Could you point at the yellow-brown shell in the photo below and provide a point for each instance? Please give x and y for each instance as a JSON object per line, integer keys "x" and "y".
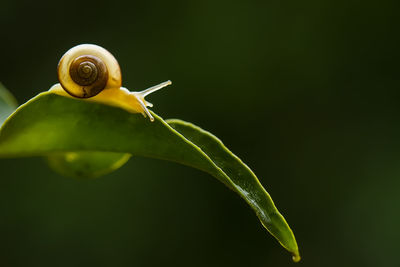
{"x": 86, "y": 70}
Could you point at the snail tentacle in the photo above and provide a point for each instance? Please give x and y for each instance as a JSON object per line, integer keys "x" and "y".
{"x": 154, "y": 88}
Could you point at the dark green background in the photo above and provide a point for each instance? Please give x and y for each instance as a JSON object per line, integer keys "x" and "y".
{"x": 305, "y": 92}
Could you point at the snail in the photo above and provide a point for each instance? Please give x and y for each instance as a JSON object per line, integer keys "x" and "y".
{"x": 89, "y": 72}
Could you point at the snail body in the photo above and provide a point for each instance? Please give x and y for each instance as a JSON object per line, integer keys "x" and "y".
{"x": 91, "y": 73}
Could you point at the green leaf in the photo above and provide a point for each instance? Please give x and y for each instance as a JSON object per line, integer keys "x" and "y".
{"x": 72, "y": 164}
{"x": 50, "y": 123}
{"x": 245, "y": 182}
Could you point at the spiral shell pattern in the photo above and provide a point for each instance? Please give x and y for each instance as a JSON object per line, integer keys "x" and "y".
{"x": 85, "y": 70}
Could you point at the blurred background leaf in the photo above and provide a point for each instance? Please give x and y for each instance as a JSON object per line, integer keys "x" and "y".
{"x": 316, "y": 83}
{"x": 7, "y": 103}
{"x": 86, "y": 165}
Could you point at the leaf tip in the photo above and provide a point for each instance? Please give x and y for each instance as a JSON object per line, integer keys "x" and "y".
{"x": 296, "y": 256}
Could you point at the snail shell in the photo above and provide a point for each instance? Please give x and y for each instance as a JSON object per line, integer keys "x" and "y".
{"x": 91, "y": 73}
{"x": 86, "y": 70}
